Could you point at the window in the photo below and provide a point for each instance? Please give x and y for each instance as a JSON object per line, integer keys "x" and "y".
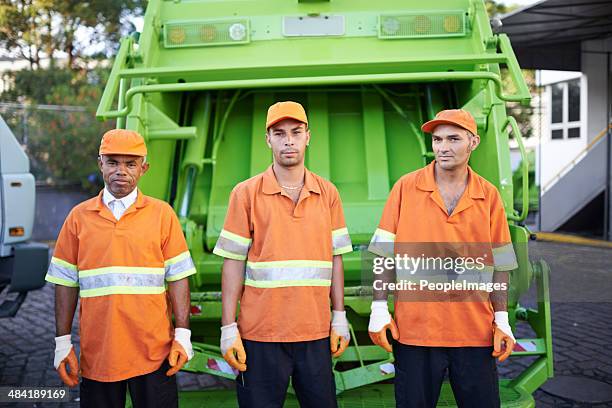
{"x": 565, "y": 110}
{"x": 573, "y": 133}
{"x": 573, "y": 100}
{"x": 557, "y": 134}
{"x": 557, "y": 103}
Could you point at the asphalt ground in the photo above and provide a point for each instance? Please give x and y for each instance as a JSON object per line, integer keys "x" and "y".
{"x": 581, "y": 295}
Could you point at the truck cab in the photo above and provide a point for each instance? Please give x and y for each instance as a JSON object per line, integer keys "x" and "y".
{"x": 23, "y": 263}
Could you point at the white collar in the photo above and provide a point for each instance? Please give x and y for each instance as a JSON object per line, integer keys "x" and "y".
{"x": 127, "y": 201}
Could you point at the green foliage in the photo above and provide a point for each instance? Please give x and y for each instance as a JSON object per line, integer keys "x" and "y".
{"x": 31, "y": 29}
{"x": 62, "y": 142}
{"x": 33, "y": 86}
{"x": 497, "y": 8}
{"x": 534, "y": 189}
{"x": 522, "y": 114}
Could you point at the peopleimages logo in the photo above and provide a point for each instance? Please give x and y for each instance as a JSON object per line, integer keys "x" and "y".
{"x": 422, "y": 263}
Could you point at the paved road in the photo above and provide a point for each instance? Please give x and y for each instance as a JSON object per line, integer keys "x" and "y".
{"x": 582, "y": 328}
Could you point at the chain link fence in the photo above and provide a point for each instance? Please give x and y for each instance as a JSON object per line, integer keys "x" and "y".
{"x": 61, "y": 141}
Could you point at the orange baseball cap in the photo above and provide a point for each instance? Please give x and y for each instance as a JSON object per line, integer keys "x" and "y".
{"x": 122, "y": 141}
{"x": 285, "y": 110}
{"x": 457, "y": 117}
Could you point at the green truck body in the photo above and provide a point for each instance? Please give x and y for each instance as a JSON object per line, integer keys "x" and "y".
{"x": 198, "y": 80}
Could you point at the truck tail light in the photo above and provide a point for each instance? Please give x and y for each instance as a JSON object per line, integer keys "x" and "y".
{"x": 422, "y": 25}
{"x": 178, "y": 34}
{"x": 16, "y": 231}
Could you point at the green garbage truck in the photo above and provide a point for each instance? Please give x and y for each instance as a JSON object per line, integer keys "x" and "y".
{"x": 197, "y": 82}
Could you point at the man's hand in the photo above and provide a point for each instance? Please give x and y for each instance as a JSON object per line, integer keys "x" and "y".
{"x": 503, "y": 339}
{"x": 232, "y": 348}
{"x": 339, "y": 333}
{"x": 380, "y": 321}
{"x": 181, "y": 350}
{"x": 65, "y": 356}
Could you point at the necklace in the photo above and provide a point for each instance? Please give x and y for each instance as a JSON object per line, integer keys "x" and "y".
{"x": 292, "y": 187}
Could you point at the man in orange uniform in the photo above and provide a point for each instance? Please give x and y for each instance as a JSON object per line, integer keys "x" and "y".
{"x": 283, "y": 240}
{"x": 118, "y": 251}
{"x": 462, "y": 332}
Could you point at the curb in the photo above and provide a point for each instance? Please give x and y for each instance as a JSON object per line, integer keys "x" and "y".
{"x": 572, "y": 239}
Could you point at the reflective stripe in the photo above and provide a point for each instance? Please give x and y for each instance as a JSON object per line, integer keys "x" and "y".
{"x": 135, "y": 270}
{"x": 474, "y": 274}
{"x": 63, "y": 263}
{"x": 289, "y": 264}
{"x": 340, "y": 231}
{"x": 60, "y": 281}
{"x": 181, "y": 275}
{"x": 382, "y": 243}
{"x": 276, "y": 274}
{"x": 233, "y": 245}
{"x": 504, "y": 258}
{"x": 235, "y": 237}
{"x": 227, "y": 254}
{"x": 287, "y": 283}
{"x": 63, "y": 272}
{"x": 343, "y": 250}
{"x": 341, "y": 241}
{"x": 121, "y": 279}
{"x": 177, "y": 258}
{"x": 179, "y": 267}
{"x": 122, "y": 290}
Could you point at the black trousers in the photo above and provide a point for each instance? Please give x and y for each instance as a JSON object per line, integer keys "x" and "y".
{"x": 153, "y": 390}
{"x": 270, "y": 366}
{"x": 420, "y": 371}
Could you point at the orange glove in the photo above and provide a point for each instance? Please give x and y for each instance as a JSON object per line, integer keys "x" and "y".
{"x": 231, "y": 347}
{"x": 339, "y": 333}
{"x": 177, "y": 358}
{"x": 380, "y": 321}
{"x": 503, "y": 339}
{"x": 65, "y": 356}
{"x": 181, "y": 351}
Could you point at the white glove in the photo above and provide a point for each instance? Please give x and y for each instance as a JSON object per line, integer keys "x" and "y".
{"x": 183, "y": 337}
{"x": 340, "y": 324}
{"x": 63, "y": 345}
{"x": 229, "y": 334}
{"x": 501, "y": 321}
{"x": 232, "y": 348}
{"x": 380, "y": 316}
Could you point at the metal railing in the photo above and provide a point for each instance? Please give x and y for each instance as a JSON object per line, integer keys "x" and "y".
{"x": 581, "y": 154}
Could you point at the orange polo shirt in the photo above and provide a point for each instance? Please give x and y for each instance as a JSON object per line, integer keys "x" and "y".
{"x": 121, "y": 268}
{"x": 413, "y": 218}
{"x": 288, "y": 250}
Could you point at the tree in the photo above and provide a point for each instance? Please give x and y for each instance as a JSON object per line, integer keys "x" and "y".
{"x": 62, "y": 139}
{"x": 31, "y": 28}
{"x": 495, "y": 8}
{"x": 22, "y": 29}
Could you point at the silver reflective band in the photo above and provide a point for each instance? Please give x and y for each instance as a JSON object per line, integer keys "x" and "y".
{"x": 472, "y": 274}
{"x": 62, "y": 273}
{"x": 341, "y": 241}
{"x": 121, "y": 279}
{"x": 179, "y": 267}
{"x": 382, "y": 243}
{"x": 504, "y": 258}
{"x": 288, "y": 273}
{"x": 233, "y": 246}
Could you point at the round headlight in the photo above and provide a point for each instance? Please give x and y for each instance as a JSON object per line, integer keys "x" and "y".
{"x": 177, "y": 35}
{"x": 390, "y": 26}
{"x": 237, "y": 32}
